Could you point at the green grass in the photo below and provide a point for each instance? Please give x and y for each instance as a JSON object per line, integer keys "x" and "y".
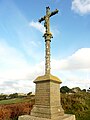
{"x": 15, "y": 100}
{"x": 84, "y": 116}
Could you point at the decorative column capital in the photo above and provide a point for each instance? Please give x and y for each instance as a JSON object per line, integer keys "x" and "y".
{"x": 48, "y": 36}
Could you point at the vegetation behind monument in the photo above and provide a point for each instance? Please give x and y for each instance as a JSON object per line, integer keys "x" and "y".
{"x": 78, "y": 104}
{"x": 73, "y": 103}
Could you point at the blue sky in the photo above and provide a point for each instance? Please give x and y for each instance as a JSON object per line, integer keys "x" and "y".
{"x": 22, "y": 47}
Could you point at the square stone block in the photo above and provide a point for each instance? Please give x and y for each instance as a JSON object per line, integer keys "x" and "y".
{"x": 64, "y": 117}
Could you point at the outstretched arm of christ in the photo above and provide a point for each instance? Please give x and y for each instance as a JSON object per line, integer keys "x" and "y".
{"x": 54, "y": 12}
{"x": 42, "y": 19}
{"x": 51, "y": 14}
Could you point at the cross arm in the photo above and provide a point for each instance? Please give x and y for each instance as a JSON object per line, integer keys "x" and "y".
{"x": 54, "y": 12}
{"x": 42, "y": 19}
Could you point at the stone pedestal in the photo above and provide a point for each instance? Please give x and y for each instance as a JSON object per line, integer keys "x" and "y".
{"x": 47, "y": 97}
{"x": 47, "y": 100}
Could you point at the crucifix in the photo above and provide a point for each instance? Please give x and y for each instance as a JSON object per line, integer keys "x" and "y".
{"x": 47, "y": 93}
{"x": 47, "y": 37}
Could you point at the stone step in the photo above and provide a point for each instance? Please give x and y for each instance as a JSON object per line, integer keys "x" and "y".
{"x": 64, "y": 117}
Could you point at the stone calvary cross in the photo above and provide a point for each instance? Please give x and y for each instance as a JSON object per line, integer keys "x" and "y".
{"x": 47, "y": 92}
{"x": 47, "y": 37}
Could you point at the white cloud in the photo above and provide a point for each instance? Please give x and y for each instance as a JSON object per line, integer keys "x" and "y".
{"x": 11, "y": 62}
{"x": 74, "y": 70}
{"x": 17, "y": 74}
{"x": 38, "y": 26}
{"x": 13, "y": 86}
{"x": 81, "y": 6}
{"x": 41, "y": 28}
{"x": 32, "y": 49}
{"x": 79, "y": 60}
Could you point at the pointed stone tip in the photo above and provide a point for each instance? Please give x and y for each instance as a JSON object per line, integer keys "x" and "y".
{"x": 47, "y": 77}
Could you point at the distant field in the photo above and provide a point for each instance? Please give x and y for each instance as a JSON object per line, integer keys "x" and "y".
{"x": 12, "y": 108}
{"x": 15, "y": 100}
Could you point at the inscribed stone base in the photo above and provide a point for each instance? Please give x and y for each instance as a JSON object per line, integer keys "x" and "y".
{"x": 64, "y": 117}
{"x": 47, "y": 97}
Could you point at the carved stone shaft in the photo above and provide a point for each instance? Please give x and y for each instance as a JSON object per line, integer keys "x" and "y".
{"x": 47, "y": 52}
{"x": 47, "y": 62}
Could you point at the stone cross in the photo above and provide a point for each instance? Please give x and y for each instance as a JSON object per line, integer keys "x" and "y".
{"x": 47, "y": 37}
{"x": 47, "y": 94}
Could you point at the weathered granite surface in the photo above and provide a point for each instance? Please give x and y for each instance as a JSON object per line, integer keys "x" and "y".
{"x": 47, "y": 77}
{"x": 65, "y": 117}
{"x": 47, "y": 97}
{"x": 47, "y": 101}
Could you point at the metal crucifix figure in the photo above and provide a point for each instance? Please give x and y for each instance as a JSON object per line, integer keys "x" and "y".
{"x": 47, "y": 37}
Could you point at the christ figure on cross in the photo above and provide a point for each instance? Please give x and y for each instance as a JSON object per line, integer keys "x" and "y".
{"x": 47, "y": 37}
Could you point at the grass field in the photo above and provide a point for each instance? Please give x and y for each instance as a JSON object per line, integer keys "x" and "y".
{"x": 15, "y": 100}
{"x": 12, "y": 108}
